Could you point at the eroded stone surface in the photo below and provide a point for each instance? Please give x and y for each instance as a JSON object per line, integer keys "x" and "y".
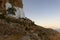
{"x": 25, "y": 29}
{"x": 17, "y": 4}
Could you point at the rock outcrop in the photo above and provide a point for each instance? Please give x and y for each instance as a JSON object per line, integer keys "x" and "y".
{"x": 25, "y": 29}
{"x": 12, "y": 28}
{"x": 17, "y": 5}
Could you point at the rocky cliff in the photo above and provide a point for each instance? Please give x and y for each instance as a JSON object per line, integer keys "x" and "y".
{"x": 25, "y": 29}
{"x": 16, "y": 3}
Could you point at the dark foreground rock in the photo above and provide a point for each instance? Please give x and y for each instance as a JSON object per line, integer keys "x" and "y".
{"x": 25, "y": 29}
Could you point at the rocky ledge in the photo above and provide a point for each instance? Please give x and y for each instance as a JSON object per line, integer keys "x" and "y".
{"x": 25, "y": 29}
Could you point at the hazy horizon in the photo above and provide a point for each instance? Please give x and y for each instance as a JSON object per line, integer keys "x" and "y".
{"x": 43, "y": 12}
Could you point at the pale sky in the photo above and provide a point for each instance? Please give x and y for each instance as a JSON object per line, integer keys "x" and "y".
{"x": 43, "y": 12}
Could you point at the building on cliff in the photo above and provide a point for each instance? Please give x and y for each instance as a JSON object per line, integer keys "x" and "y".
{"x": 5, "y": 5}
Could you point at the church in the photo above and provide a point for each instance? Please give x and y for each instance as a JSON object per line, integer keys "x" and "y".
{"x": 12, "y": 8}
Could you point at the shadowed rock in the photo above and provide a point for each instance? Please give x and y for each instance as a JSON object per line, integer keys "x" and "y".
{"x": 25, "y": 29}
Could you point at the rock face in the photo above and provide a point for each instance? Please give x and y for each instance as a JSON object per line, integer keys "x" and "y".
{"x": 16, "y": 4}
{"x": 25, "y": 29}
{"x": 2, "y": 6}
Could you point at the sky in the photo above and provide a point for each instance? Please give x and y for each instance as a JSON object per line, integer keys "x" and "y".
{"x": 45, "y": 13}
